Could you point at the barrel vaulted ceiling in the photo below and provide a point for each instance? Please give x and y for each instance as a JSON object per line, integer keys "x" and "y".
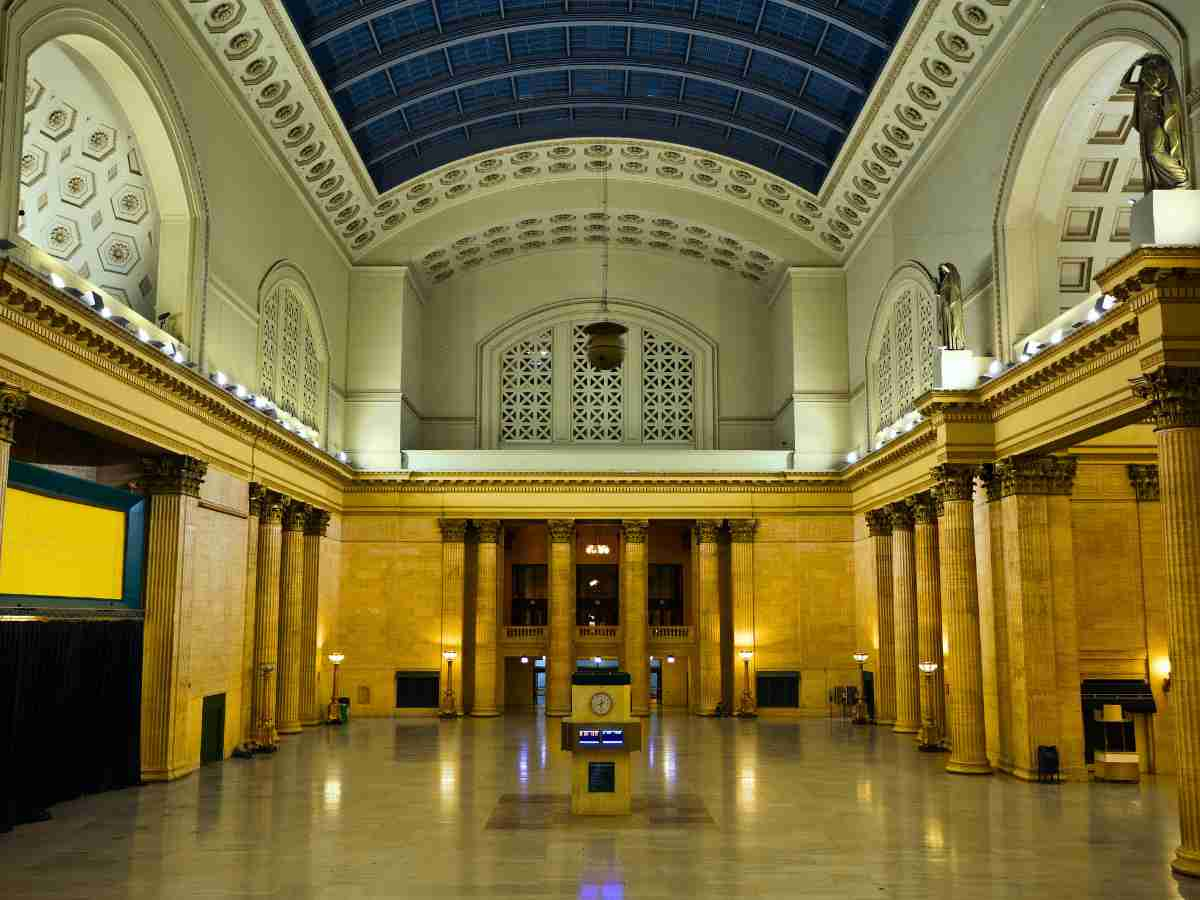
{"x": 806, "y": 112}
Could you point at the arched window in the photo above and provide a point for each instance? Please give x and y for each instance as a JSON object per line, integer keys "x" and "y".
{"x": 293, "y": 370}
{"x": 902, "y": 351}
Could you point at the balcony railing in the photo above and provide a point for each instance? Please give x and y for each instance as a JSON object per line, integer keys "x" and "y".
{"x": 671, "y": 634}
{"x": 597, "y": 632}
{"x": 525, "y": 632}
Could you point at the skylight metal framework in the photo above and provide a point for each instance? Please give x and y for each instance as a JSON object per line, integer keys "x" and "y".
{"x": 775, "y": 83}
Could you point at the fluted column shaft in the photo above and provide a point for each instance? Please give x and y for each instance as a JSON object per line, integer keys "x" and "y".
{"x": 710, "y": 616}
{"x": 454, "y": 532}
{"x": 929, "y": 617}
{"x": 634, "y": 590}
{"x": 167, "y": 748}
{"x": 12, "y": 405}
{"x": 486, "y": 599}
{"x": 904, "y": 602}
{"x": 995, "y": 526}
{"x": 266, "y": 617}
{"x": 741, "y": 564}
{"x": 291, "y": 610}
{"x": 879, "y": 531}
{"x": 251, "y": 596}
{"x": 560, "y": 661}
{"x": 960, "y": 596}
{"x": 315, "y": 526}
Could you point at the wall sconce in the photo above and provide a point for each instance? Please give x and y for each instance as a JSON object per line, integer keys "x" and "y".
{"x": 1163, "y": 667}
{"x": 1167, "y": 683}
{"x": 670, "y": 659}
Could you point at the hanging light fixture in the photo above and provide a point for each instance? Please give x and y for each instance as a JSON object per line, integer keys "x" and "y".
{"x": 606, "y": 340}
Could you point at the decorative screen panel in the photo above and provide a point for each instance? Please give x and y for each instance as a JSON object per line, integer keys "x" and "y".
{"x": 597, "y": 398}
{"x": 288, "y": 373}
{"x": 268, "y": 330}
{"x": 292, "y": 372}
{"x": 668, "y": 391}
{"x": 883, "y": 378}
{"x": 310, "y": 397}
{"x": 906, "y": 359}
{"x": 927, "y": 342}
{"x": 904, "y": 341}
{"x": 527, "y": 389}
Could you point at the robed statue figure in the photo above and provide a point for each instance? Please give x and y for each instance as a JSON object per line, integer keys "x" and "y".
{"x": 1159, "y": 118}
{"x": 950, "y": 307}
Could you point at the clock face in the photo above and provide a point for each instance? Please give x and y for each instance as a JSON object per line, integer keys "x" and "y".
{"x": 602, "y": 703}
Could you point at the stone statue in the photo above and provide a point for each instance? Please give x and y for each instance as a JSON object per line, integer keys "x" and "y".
{"x": 1160, "y": 120}
{"x": 950, "y": 307}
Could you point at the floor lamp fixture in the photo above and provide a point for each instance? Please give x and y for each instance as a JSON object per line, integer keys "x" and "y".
{"x": 860, "y": 708}
{"x": 930, "y": 740}
{"x": 334, "y": 715}
{"x": 746, "y": 707}
{"x": 449, "y": 706}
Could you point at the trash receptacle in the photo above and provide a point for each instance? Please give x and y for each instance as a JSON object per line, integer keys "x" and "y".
{"x": 344, "y": 709}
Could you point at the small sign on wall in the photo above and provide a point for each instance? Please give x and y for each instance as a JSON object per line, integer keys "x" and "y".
{"x": 602, "y": 778}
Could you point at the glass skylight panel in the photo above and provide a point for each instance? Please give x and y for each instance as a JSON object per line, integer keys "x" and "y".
{"x": 744, "y": 12}
{"x": 546, "y": 116}
{"x": 597, "y": 40}
{"x": 764, "y": 110}
{"x": 453, "y": 12}
{"x": 644, "y": 84}
{"x": 808, "y": 128}
{"x": 895, "y": 12}
{"x": 658, "y": 45}
{"x": 705, "y": 93}
{"x": 404, "y": 24}
{"x": 366, "y": 91}
{"x": 383, "y": 130}
{"x": 753, "y": 148}
{"x": 490, "y": 93}
{"x": 827, "y": 94}
{"x": 768, "y": 69}
{"x": 851, "y": 50}
{"x": 481, "y": 54}
{"x": 350, "y": 46}
{"x": 429, "y": 67}
{"x": 539, "y": 44}
{"x": 308, "y": 11}
{"x": 674, "y": 8}
{"x": 434, "y": 109}
{"x": 716, "y": 54}
{"x": 592, "y": 113}
{"x": 496, "y": 123}
{"x": 702, "y": 126}
{"x": 543, "y": 84}
{"x": 599, "y": 82}
{"x": 785, "y": 22}
{"x": 515, "y": 8}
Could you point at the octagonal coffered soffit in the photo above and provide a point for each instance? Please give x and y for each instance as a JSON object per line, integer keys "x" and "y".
{"x": 62, "y": 237}
{"x": 265, "y": 62}
{"x": 119, "y": 253}
{"x": 101, "y": 141}
{"x": 33, "y": 164}
{"x": 77, "y": 186}
{"x": 58, "y": 120}
{"x": 130, "y": 203}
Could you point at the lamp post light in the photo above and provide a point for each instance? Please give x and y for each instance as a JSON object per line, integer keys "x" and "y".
{"x": 746, "y": 708}
{"x": 930, "y": 741}
{"x": 334, "y": 714}
{"x": 449, "y": 710}
{"x": 860, "y": 708}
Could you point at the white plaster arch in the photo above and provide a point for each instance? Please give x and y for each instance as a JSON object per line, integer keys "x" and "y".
{"x": 916, "y": 281}
{"x": 566, "y": 313}
{"x": 109, "y": 36}
{"x": 1099, "y": 47}
{"x": 287, "y": 276}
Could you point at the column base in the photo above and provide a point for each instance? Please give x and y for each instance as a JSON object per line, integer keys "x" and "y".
{"x": 962, "y": 768}
{"x": 290, "y": 728}
{"x": 310, "y": 723}
{"x": 484, "y": 713}
{"x": 171, "y": 774}
{"x": 1186, "y": 862}
{"x": 887, "y": 723}
{"x": 902, "y": 728}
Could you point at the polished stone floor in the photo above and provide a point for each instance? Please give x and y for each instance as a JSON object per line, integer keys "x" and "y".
{"x": 473, "y": 809}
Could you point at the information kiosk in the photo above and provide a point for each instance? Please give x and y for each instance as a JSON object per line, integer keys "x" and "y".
{"x": 600, "y": 734}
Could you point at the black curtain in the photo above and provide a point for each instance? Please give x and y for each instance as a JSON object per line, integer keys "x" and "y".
{"x": 70, "y": 708}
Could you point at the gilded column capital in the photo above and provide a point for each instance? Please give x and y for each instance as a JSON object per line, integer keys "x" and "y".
{"x": 901, "y": 515}
{"x": 562, "y": 531}
{"x": 171, "y": 474}
{"x": 923, "y": 508}
{"x": 743, "y": 530}
{"x": 706, "y": 530}
{"x": 879, "y": 522}
{"x": 13, "y": 401}
{"x": 954, "y": 481}
{"x": 1174, "y": 396}
{"x": 990, "y": 479}
{"x": 317, "y": 522}
{"x": 454, "y": 531}
{"x": 294, "y": 515}
{"x": 635, "y": 530}
{"x": 271, "y": 511}
{"x": 1036, "y": 475}
{"x": 256, "y": 499}
{"x": 1145, "y": 483}
{"x": 489, "y": 530}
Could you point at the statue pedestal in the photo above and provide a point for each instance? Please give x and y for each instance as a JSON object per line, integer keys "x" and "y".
{"x": 959, "y": 370}
{"x": 1166, "y": 218}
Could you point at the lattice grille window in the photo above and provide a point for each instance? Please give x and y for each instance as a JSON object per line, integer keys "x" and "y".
{"x": 597, "y": 398}
{"x": 906, "y": 359}
{"x": 927, "y": 342}
{"x": 527, "y": 389}
{"x": 288, "y": 385}
{"x": 291, "y": 365}
{"x": 668, "y": 391}
{"x": 904, "y": 339}
{"x": 883, "y": 377}
{"x": 268, "y": 335}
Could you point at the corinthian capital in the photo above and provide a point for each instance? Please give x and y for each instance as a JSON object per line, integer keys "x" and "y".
{"x": 742, "y": 530}
{"x": 706, "y": 530}
{"x": 635, "y": 530}
{"x": 902, "y": 516}
{"x": 489, "y": 530}
{"x": 1045, "y": 475}
{"x": 954, "y": 481}
{"x": 562, "y": 531}
{"x": 12, "y": 406}
{"x": 294, "y": 515}
{"x": 173, "y": 475}
{"x": 454, "y": 531}
{"x": 1145, "y": 483}
{"x": 879, "y": 523}
{"x": 317, "y": 522}
{"x": 923, "y": 507}
{"x": 1173, "y": 395}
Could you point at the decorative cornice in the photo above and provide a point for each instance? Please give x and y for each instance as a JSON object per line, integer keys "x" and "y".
{"x": 915, "y": 443}
{"x": 317, "y": 523}
{"x": 172, "y": 475}
{"x": 955, "y": 481}
{"x": 599, "y": 483}
{"x": 879, "y": 522}
{"x": 901, "y": 515}
{"x": 923, "y": 508}
{"x": 1144, "y": 479}
{"x": 990, "y": 479}
{"x": 12, "y": 406}
{"x": 255, "y": 499}
{"x": 1036, "y": 475}
{"x": 635, "y": 530}
{"x": 562, "y": 531}
{"x": 489, "y": 530}
{"x": 1173, "y": 394}
{"x": 1149, "y": 267}
{"x": 941, "y": 407}
{"x": 706, "y": 530}
{"x": 295, "y": 515}
{"x": 742, "y": 530}
{"x": 454, "y": 531}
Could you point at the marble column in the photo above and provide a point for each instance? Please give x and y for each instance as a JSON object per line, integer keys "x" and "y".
{"x": 929, "y": 616}
{"x": 634, "y": 591}
{"x": 454, "y": 533}
{"x": 291, "y": 609}
{"x": 315, "y": 525}
{"x": 904, "y": 602}
{"x": 266, "y": 618}
{"x": 1174, "y": 397}
{"x": 167, "y": 748}
{"x": 741, "y": 578}
{"x": 990, "y": 481}
{"x": 560, "y": 658}
{"x": 486, "y": 600}
{"x": 879, "y": 533}
{"x": 12, "y": 405}
{"x": 710, "y": 615}
{"x": 254, "y": 507}
{"x": 960, "y": 603}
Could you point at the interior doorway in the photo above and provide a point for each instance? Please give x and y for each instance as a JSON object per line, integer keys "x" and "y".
{"x": 597, "y": 595}
{"x": 524, "y": 682}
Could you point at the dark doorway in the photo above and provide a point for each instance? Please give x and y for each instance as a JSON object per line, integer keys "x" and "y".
{"x": 417, "y": 690}
{"x": 869, "y": 693}
{"x": 656, "y": 680}
{"x": 665, "y": 594}
{"x": 597, "y": 595}
{"x": 212, "y": 729}
{"x": 530, "y": 593}
{"x": 779, "y": 689}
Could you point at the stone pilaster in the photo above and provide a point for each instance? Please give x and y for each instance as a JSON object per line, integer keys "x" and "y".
{"x": 929, "y": 616}
{"x": 960, "y": 602}
{"x": 454, "y": 533}
{"x": 879, "y": 533}
{"x": 634, "y": 590}
{"x": 560, "y": 658}
{"x": 315, "y": 526}
{"x": 291, "y": 611}
{"x": 486, "y": 600}
{"x": 167, "y": 748}
{"x": 1041, "y": 618}
{"x": 904, "y": 602}
{"x": 266, "y": 618}
{"x": 999, "y": 733}
{"x": 12, "y": 405}
{"x": 1174, "y": 398}
{"x": 741, "y": 564}
{"x": 1144, "y": 481}
{"x": 254, "y": 511}
{"x": 710, "y": 615}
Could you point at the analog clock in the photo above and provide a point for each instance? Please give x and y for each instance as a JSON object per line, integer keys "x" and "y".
{"x": 602, "y": 703}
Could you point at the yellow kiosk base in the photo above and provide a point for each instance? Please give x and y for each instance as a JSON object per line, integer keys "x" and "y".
{"x": 600, "y": 734}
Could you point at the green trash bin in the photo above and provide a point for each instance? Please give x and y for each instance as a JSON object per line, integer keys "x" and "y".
{"x": 344, "y": 709}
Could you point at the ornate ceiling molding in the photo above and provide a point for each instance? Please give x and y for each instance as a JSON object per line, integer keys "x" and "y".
{"x": 254, "y": 42}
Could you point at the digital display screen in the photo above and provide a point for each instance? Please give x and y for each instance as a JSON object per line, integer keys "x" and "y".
{"x": 602, "y": 778}
{"x": 601, "y": 737}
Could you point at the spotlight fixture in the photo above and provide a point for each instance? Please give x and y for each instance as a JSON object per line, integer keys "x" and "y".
{"x": 342, "y": 457}
{"x": 852, "y": 457}
{"x": 57, "y": 280}
{"x": 670, "y": 659}
{"x": 597, "y": 660}
{"x": 1056, "y": 337}
{"x": 105, "y": 312}
{"x": 524, "y": 660}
